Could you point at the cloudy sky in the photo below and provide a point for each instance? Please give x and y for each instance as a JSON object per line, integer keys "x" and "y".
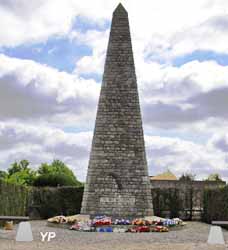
{"x": 51, "y": 63}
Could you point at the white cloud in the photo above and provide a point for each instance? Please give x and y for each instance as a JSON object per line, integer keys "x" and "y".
{"x": 210, "y": 35}
{"x": 39, "y": 143}
{"x": 29, "y": 90}
{"x": 176, "y": 96}
{"x": 41, "y": 19}
{"x": 176, "y": 28}
{"x": 97, "y": 41}
{"x": 34, "y": 22}
{"x": 175, "y": 83}
{"x": 165, "y": 29}
{"x": 219, "y": 141}
{"x": 182, "y": 156}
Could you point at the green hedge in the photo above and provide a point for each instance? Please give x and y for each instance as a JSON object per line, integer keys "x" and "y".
{"x": 167, "y": 201}
{"x": 215, "y": 204}
{"x": 48, "y": 202}
{"x": 13, "y": 199}
{"x": 38, "y": 203}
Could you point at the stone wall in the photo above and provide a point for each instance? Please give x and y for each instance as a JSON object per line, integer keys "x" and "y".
{"x": 180, "y": 198}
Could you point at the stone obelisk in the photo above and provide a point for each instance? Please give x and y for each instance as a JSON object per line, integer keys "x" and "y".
{"x": 117, "y": 181}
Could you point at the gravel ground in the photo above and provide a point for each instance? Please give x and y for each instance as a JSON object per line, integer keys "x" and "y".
{"x": 193, "y": 236}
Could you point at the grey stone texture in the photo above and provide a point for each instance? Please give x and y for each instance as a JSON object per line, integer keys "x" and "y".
{"x": 117, "y": 181}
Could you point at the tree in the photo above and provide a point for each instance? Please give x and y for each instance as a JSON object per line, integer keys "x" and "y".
{"x": 3, "y": 175}
{"x": 17, "y": 167}
{"x": 56, "y": 174}
{"x": 23, "y": 177}
{"x": 187, "y": 177}
{"x": 20, "y": 173}
{"x": 45, "y": 169}
{"x": 214, "y": 177}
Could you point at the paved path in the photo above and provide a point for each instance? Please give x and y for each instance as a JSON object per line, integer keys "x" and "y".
{"x": 194, "y": 236}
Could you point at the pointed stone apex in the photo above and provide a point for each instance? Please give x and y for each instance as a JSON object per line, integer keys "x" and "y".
{"x": 120, "y": 9}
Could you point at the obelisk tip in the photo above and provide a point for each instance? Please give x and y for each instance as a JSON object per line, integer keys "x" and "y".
{"x": 120, "y": 9}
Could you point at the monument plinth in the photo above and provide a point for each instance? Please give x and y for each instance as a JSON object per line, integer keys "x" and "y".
{"x": 117, "y": 181}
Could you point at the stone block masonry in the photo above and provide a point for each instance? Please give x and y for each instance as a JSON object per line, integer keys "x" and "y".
{"x": 117, "y": 181}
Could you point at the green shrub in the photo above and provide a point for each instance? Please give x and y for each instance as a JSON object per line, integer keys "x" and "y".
{"x": 50, "y": 201}
{"x": 3, "y": 175}
{"x": 23, "y": 177}
{"x": 13, "y": 199}
{"x": 54, "y": 180}
{"x": 45, "y": 202}
{"x": 167, "y": 201}
{"x": 55, "y": 174}
{"x": 215, "y": 204}
{"x": 19, "y": 173}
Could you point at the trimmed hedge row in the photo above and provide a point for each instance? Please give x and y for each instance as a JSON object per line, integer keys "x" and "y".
{"x": 48, "y": 202}
{"x": 39, "y": 203}
{"x": 167, "y": 201}
{"x": 215, "y": 204}
{"x": 13, "y": 199}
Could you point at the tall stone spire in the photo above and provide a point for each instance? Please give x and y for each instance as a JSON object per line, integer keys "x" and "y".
{"x": 117, "y": 181}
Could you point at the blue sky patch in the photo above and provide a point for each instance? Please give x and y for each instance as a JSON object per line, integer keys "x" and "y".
{"x": 60, "y": 53}
{"x": 74, "y": 129}
{"x": 197, "y": 138}
{"x": 96, "y": 77}
{"x": 82, "y": 23}
{"x": 202, "y": 55}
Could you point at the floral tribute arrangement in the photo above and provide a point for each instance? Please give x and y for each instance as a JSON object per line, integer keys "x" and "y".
{"x": 83, "y": 223}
